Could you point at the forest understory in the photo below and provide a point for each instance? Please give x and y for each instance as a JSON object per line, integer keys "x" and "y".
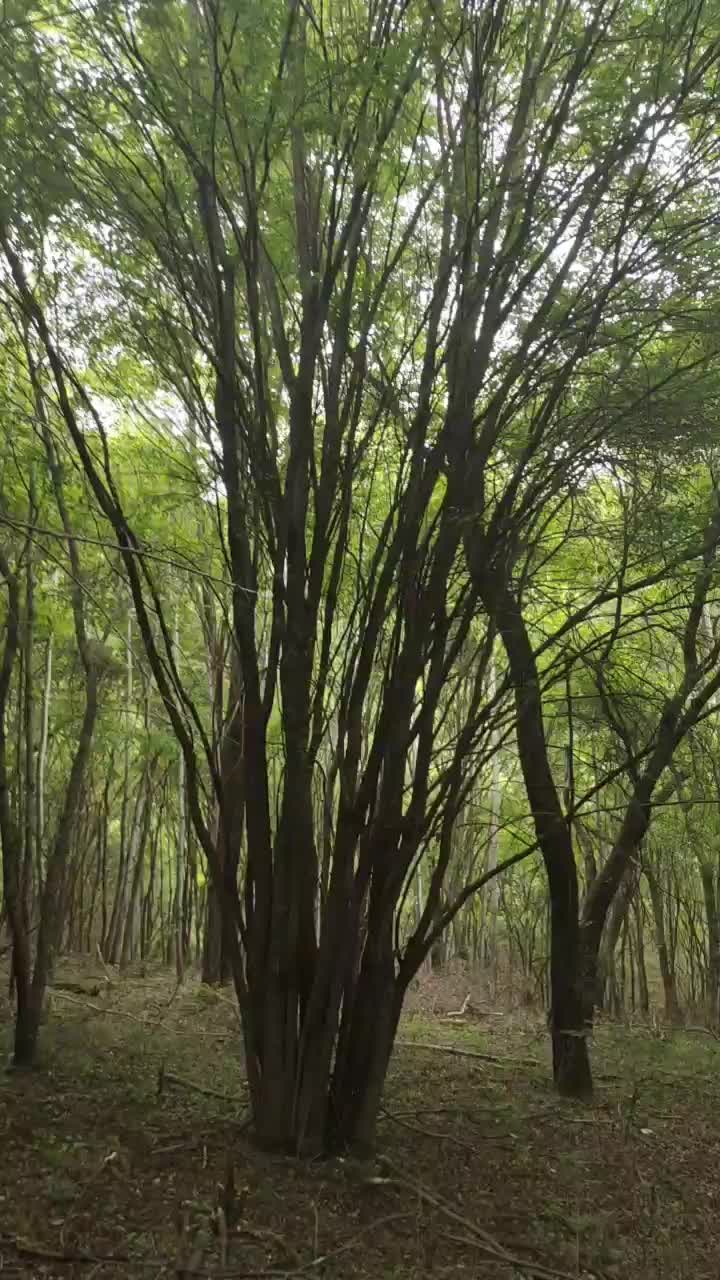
{"x": 128, "y": 1150}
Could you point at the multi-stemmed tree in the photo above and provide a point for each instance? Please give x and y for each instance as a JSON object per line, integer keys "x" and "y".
{"x": 389, "y": 266}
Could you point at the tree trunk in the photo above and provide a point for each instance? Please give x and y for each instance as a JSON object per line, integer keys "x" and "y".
{"x": 673, "y": 1013}
{"x": 181, "y": 837}
{"x": 53, "y": 897}
{"x": 492, "y": 896}
{"x": 10, "y": 837}
{"x": 42, "y": 761}
{"x": 52, "y": 902}
{"x": 643, "y": 990}
{"x": 217, "y": 966}
{"x": 30, "y": 799}
{"x": 606, "y": 989}
{"x": 136, "y": 860}
{"x": 569, "y": 1031}
{"x": 712, "y": 991}
{"x": 360, "y": 1071}
{"x": 112, "y": 940}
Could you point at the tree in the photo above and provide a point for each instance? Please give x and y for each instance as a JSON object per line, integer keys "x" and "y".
{"x": 380, "y": 266}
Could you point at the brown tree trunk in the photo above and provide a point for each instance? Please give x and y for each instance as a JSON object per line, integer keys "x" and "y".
{"x": 569, "y": 1030}
{"x": 606, "y": 988}
{"x": 217, "y": 965}
{"x": 136, "y": 858}
{"x": 42, "y": 762}
{"x": 29, "y": 798}
{"x": 673, "y": 1012}
{"x": 361, "y": 1069}
{"x": 712, "y": 918}
{"x": 53, "y": 897}
{"x": 643, "y": 989}
{"x": 10, "y": 837}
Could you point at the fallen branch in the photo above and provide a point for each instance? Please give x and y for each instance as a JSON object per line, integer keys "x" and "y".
{"x": 221, "y": 999}
{"x": 539, "y": 1270}
{"x": 96, "y": 1008}
{"x": 145, "y": 1023}
{"x": 26, "y": 1249}
{"x": 703, "y": 1031}
{"x": 438, "y": 1136}
{"x": 468, "y": 1053}
{"x": 109, "y": 975}
{"x": 169, "y": 1077}
{"x": 481, "y": 1239}
{"x": 349, "y": 1244}
{"x": 56, "y": 988}
{"x": 459, "y": 1013}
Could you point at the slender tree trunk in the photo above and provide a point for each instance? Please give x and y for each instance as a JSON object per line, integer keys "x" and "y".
{"x": 95, "y": 893}
{"x": 569, "y": 1028}
{"x": 30, "y": 799}
{"x": 52, "y": 903}
{"x": 53, "y": 897}
{"x": 180, "y": 851}
{"x": 216, "y": 958}
{"x": 42, "y": 759}
{"x": 672, "y": 1007}
{"x": 104, "y": 865}
{"x": 148, "y": 907}
{"x": 643, "y": 989}
{"x": 112, "y": 941}
{"x": 492, "y": 896}
{"x": 712, "y": 919}
{"x": 10, "y": 837}
{"x": 606, "y": 985}
{"x": 136, "y": 862}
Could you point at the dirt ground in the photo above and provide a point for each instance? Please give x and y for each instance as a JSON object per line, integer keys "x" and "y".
{"x": 113, "y": 1164}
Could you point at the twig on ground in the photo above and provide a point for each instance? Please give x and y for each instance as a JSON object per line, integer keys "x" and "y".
{"x": 231, "y": 1004}
{"x": 459, "y": 1013}
{"x": 540, "y": 1270}
{"x": 96, "y": 1008}
{"x": 465, "y": 1111}
{"x": 468, "y": 1053}
{"x": 146, "y": 1023}
{"x": 169, "y": 1077}
{"x": 600, "y": 1120}
{"x": 350, "y": 1244}
{"x": 430, "y": 1197}
{"x": 176, "y": 988}
{"x": 265, "y": 1235}
{"x": 109, "y": 975}
{"x": 65, "y": 1257}
{"x": 59, "y": 989}
{"x": 480, "y": 1238}
{"x": 438, "y": 1136}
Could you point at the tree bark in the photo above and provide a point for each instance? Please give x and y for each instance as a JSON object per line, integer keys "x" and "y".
{"x": 42, "y": 757}
{"x": 180, "y": 851}
{"x": 607, "y": 993}
{"x": 136, "y": 861}
{"x": 569, "y": 1028}
{"x": 217, "y": 964}
{"x": 712, "y": 920}
{"x": 30, "y": 799}
{"x": 673, "y": 1012}
{"x": 53, "y": 896}
{"x": 10, "y": 836}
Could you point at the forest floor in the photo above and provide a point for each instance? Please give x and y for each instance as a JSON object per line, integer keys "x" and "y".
{"x": 109, "y": 1156}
